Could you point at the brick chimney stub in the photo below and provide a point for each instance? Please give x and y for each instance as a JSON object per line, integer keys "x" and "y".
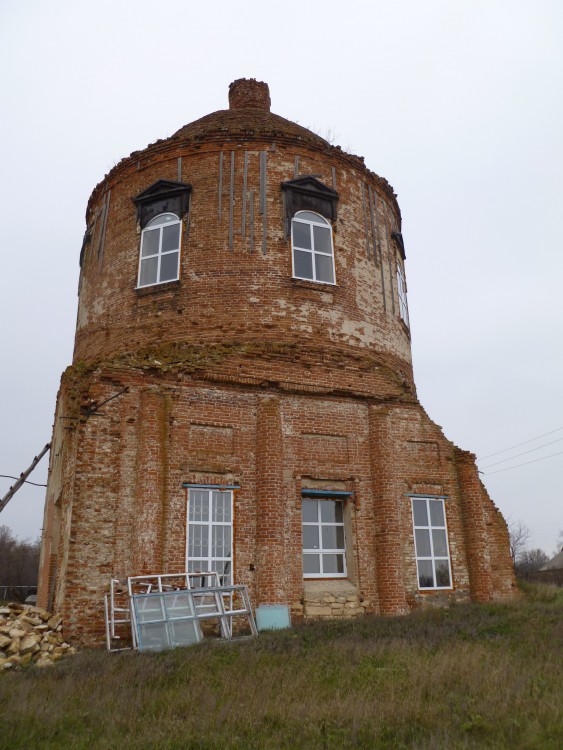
{"x": 248, "y": 92}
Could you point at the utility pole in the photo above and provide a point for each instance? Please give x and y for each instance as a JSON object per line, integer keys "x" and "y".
{"x": 23, "y": 476}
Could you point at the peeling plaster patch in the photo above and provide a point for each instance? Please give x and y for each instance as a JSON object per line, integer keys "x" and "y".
{"x": 332, "y": 316}
{"x": 303, "y": 328}
{"x": 82, "y": 317}
{"x": 364, "y": 332}
{"x": 364, "y": 290}
{"x": 98, "y": 307}
{"x": 281, "y": 303}
{"x": 361, "y": 331}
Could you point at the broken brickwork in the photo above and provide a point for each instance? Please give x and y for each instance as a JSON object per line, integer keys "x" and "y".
{"x": 238, "y": 374}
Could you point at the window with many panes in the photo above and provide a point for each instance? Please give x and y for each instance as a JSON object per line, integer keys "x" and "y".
{"x": 324, "y": 553}
{"x": 160, "y": 250}
{"x": 402, "y": 293}
{"x": 210, "y": 532}
{"x": 311, "y": 242}
{"x": 431, "y": 543}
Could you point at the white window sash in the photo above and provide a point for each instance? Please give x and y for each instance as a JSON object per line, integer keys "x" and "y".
{"x": 433, "y": 558}
{"x": 210, "y": 558}
{"x": 312, "y": 251}
{"x": 402, "y": 293}
{"x": 159, "y": 253}
{"x": 318, "y": 524}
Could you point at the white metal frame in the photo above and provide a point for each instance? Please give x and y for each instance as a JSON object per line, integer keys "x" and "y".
{"x": 116, "y": 614}
{"x": 151, "y": 609}
{"x": 432, "y": 557}
{"x": 319, "y": 523}
{"x": 321, "y": 222}
{"x": 214, "y": 609}
{"x": 210, "y": 560}
{"x": 205, "y": 602}
{"x": 149, "y": 584}
{"x": 157, "y": 225}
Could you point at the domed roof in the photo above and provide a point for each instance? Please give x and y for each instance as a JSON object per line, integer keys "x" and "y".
{"x": 246, "y": 122}
{"x": 248, "y": 116}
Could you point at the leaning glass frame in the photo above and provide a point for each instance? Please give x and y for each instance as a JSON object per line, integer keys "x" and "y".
{"x": 165, "y": 619}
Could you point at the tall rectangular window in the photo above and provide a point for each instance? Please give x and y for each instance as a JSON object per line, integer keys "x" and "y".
{"x": 210, "y": 532}
{"x": 402, "y": 294}
{"x": 431, "y": 543}
{"x": 324, "y": 552}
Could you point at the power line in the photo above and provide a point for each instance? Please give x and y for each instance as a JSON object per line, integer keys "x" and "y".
{"x": 525, "y": 463}
{"x": 504, "y": 460}
{"x": 531, "y": 440}
{"x": 26, "y": 481}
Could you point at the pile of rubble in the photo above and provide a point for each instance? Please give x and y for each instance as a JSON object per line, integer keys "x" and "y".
{"x": 30, "y": 635}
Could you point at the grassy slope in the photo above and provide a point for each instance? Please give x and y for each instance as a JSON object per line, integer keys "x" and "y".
{"x": 488, "y": 676}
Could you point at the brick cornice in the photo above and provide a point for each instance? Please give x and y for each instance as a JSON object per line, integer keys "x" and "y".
{"x": 219, "y": 140}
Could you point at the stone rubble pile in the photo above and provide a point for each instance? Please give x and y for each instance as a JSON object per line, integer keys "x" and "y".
{"x": 30, "y": 635}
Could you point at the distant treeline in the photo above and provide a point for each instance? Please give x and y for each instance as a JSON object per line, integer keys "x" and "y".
{"x": 19, "y": 565}
{"x": 554, "y": 577}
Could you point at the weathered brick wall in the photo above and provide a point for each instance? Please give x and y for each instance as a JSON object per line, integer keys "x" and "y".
{"x": 238, "y": 374}
{"x": 128, "y": 506}
{"x": 242, "y": 291}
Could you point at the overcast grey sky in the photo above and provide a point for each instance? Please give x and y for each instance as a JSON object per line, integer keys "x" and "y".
{"x": 458, "y": 103}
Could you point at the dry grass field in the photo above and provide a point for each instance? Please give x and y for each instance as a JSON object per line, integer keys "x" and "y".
{"x": 473, "y": 676}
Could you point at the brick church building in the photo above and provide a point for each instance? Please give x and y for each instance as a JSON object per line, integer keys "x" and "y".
{"x": 241, "y": 397}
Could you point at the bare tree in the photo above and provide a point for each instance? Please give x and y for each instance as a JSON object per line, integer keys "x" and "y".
{"x": 519, "y": 537}
{"x": 19, "y": 560}
{"x": 531, "y": 560}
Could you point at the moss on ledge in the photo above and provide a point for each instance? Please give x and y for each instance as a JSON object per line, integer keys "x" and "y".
{"x": 203, "y": 359}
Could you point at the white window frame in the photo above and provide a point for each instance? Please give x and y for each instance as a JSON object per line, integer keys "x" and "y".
{"x": 321, "y": 550}
{"x": 152, "y": 226}
{"x": 402, "y": 294}
{"x": 433, "y": 558}
{"x": 322, "y": 222}
{"x": 211, "y": 560}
